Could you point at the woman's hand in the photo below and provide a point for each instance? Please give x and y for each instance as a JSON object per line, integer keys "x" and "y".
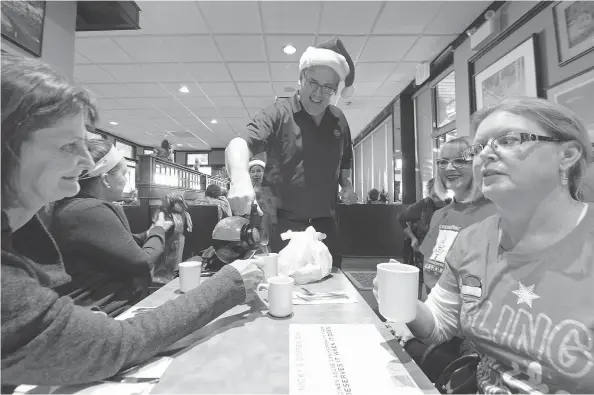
{"x": 251, "y": 275}
{"x": 162, "y": 222}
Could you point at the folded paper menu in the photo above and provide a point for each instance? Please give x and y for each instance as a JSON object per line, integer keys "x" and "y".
{"x": 344, "y": 360}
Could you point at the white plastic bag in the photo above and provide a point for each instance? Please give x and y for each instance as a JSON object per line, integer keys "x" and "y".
{"x": 305, "y": 258}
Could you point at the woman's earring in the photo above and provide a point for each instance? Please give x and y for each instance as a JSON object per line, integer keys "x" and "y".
{"x": 564, "y": 179}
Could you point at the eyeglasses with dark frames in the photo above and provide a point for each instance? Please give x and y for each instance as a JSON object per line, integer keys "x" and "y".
{"x": 314, "y": 85}
{"x": 456, "y": 162}
{"x": 506, "y": 142}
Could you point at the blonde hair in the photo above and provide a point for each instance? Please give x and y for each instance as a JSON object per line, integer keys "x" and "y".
{"x": 459, "y": 143}
{"x": 560, "y": 122}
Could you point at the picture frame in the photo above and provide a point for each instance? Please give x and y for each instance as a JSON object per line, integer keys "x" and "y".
{"x": 202, "y": 159}
{"x": 514, "y": 74}
{"x": 574, "y": 28}
{"x": 23, "y": 23}
{"x": 577, "y": 94}
{"x": 444, "y": 99}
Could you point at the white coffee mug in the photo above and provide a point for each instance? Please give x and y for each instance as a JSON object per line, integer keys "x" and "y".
{"x": 189, "y": 275}
{"x": 268, "y": 264}
{"x": 279, "y": 300}
{"x": 398, "y": 288}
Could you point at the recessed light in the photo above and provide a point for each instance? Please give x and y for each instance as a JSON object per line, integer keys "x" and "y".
{"x": 113, "y": 123}
{"x": 179, "y": 145}
{"x": 289, "y": 49}
{"x": 184, "y": 89}
{"x": 214, "y": 121}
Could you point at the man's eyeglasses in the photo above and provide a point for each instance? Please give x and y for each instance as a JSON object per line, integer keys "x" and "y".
{"x": 506, "y": 142}
{"x": 326, "y": 90}
{"x": 456, "y": 162}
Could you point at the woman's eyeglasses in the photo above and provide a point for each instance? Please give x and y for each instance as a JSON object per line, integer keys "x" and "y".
{"x": 456, "y": 162}
{"x": 326, "y": 90}
{"x": 506, "y": 142}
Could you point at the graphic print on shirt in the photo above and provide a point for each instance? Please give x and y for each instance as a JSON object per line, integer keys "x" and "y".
{"x": 545, "y": 351}
{"x": 445, "y": 239}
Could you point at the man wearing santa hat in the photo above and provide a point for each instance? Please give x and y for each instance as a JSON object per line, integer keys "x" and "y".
{"x": 306, "y": 143}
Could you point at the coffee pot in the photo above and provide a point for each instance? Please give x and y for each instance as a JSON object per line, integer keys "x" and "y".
{"x": 238, "y": 237}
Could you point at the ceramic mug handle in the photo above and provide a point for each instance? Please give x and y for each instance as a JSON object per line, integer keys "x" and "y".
{"x": 259, "y": 289}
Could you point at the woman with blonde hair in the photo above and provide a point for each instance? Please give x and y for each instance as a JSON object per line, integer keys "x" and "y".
{"x": 47, "y": 339}
{"x": 468, "y": 206}
{"x": 519, "y": 285}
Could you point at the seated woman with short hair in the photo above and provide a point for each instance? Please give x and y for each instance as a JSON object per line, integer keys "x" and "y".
{"x": 519, "y": 285}
{"x": 110, "y": 267}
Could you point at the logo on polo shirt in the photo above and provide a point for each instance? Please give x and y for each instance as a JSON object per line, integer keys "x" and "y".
{"x": 471, "y": 287}
{"x": 337, "y": 133}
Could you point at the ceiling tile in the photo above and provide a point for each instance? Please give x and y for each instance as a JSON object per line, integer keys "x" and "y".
{"x": 136, "y": 103}
{"x": 214, "y": 89}
{"x": 192, "y": 102}
{"x": 230, "y": 112}
{"x": 455, "y": 16}
{"x": 254, "y": 88}
{"x": 231, "y": 16}
{"x": 407, "y": 17}
{"x": 387, "y": 48}
{"x": 79, "y": 59}
{"x": 101, "y": 50}
{"x": 167, "y": 17}
{"x": 201, "y": 112}
{"x": 285, "y": 71}
{"x": 194, "y": 125}
{"x": 276, "y": 43}
{"x": 254, "y": 111}
{"x": 241, "y": 48}
{"x": 233, "y": 101}
{"x": 427, "y": 47}
{"x": 148, "y": 72}
{"x": 179, "y": 112}
{"x": 404, "y": 72}
{"x": 346, "y": 17}
{"x": 290, "y": 16}
{"x": 284, "y": 88}
{"x": 258, "y": 102}
{"x": 107, "y": 104}
{"x": 249, "y": 71}
{"x": 147, "y": 89}
{"x": 392, "y": 88}
{"x": 373, "y": 71}
{"x": 111, "y": 90}
{"x": 169, "y": 48}
{"x": 91, "y": 73}
{"x": 208, "y": 72}
{"x": 353, "y": 44}
{"x": 117, "y": 115}
{"x": 366, "y": 88}
{"x": 379, "y": 101}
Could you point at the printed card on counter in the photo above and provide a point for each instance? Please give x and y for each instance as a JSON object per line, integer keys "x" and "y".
{"x": 344, "y": 360}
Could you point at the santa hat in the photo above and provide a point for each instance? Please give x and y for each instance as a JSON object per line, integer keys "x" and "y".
{"x": 332, "y": 54}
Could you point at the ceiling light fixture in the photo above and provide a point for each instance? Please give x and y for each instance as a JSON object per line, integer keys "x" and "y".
{"x": 184, "y": 89}
{"x": 214, "y": 121}
{"x": 113, "y": 123}
{"x": 289, "y": 49}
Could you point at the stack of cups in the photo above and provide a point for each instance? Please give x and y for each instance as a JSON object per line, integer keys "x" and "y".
{"x": 278, "y": 297}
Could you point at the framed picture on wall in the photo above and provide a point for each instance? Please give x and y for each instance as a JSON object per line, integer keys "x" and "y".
{"x": 202, "y": 159}
{"x": 22, "y": 24}
{"x": 574, "y": 24}
{"x": 577, "y": 94}
{"x": 514, "y": 74}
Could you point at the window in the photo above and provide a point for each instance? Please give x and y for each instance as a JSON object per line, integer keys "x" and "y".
{"x": 445, "y": 101}
{"x": 94, "y": 135}
{"x": 205, "y": 170}
{"x": 126, "y": 149}
{"x": 130, "y": 176}
{"x": 202, "y": 159}
{"x": 148, "y": 151}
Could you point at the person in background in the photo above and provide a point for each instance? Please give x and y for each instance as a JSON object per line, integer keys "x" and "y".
{"x": 519, "y": 284}
{"x": 415, "y": 221}
{"x": 164, "y": 152}
{"x": 110, "y": 267}
{"x": 264, "y": 197}
{"x": 308, "y": 149}
{"x": 214, "y": 195}
{"x": 468, "y": 206}
{"x": 47, "y": 339}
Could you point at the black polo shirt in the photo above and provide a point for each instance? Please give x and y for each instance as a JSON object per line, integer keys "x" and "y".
{"x": 303, "y": 160}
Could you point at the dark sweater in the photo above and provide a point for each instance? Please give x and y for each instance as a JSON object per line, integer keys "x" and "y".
{"x": 47, "y": 340}
{"x": 110, "y": 266}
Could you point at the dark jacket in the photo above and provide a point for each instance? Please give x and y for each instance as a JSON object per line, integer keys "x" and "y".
{"x": 47, "y": 340}
{"x": 110, "y": 266}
